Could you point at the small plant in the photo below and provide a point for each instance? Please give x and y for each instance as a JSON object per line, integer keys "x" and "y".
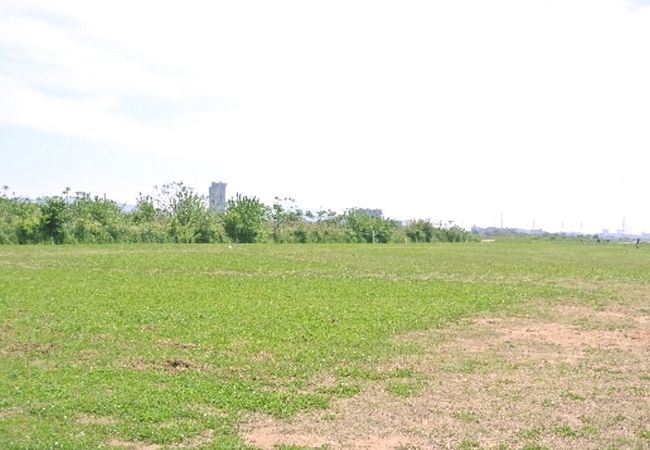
{"x": 370, "y": 374}
{"x": 402, "y": 389}
{"x": 342, "y": 390}
{"x": 358, "y": 373}
{"x": 574, "y": 396}
{"x": 466, "y": 416}
{"x": 534, "y": 447}
{"x": 532, "y": 433}
{"x": 566, "y": 431}
{"x": 400, "y": 373}
{"x": 469, "y": 444}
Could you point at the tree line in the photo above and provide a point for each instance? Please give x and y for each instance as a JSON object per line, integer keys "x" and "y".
{"x": 175, "y": 213}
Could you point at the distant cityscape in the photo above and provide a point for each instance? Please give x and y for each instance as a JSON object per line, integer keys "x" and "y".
{"x": 605, "y": 234}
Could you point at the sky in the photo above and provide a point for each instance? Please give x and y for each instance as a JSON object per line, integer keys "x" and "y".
{"x": 534, "y": 111}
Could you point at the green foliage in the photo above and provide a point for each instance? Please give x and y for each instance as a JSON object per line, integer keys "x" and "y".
{"x": 324, "y": 226}
{"x": 19, "y": 221}
{"x": 54, "y": 217}
{"x": 189, "y": 219}
{"x": 144, "y": 211}
{"x": 425, "y": 231}
{"x": 244, "y": 219}
{"x": 366, "y": 228}
{"x": 287, "y": 222}
{"x": 95, "y": 219}
{"x": 176, "y": 213}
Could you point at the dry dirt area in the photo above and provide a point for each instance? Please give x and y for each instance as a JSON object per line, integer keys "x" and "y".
{"x": 556, "y": 376}
{"x": 201, "y": 440}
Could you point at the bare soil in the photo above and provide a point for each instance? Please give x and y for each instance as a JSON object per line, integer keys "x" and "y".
{"x": 171, "y": 366}
{"x": 561, "y": 375}
{"x": 195, "y": 442}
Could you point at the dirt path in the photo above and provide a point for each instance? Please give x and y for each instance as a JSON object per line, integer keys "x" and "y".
{"x": 562, "y": 376}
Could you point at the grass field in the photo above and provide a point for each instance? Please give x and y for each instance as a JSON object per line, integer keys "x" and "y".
{"x": 199, "y": 346}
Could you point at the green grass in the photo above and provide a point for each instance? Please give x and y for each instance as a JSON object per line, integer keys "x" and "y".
{"x": 149, "y": 337}
{"x": 403, "y": 389}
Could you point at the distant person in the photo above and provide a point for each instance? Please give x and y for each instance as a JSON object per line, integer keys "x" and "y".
{"x": 637, "y": 242}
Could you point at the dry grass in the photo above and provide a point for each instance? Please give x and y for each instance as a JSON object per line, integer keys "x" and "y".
{"x": 198, "y": 441}
{"x": 9, "y": 412}
{"x": 563, "y": 375}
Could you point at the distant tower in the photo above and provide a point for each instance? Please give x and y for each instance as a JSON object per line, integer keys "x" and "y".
{"x": 218, "y": 196}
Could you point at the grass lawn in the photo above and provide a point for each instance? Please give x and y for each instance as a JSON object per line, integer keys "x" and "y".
{"x": 155, "y": 346}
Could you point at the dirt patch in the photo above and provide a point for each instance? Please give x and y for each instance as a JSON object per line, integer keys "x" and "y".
{"x": 177, "y": 365}
{"x": 10, "y": 412}
{"x": 6, "y": 328}
{"x": 272, "y": 436}
{"x": 553, "y": 342}
{"x": 194, "y": 442}
{"x": 556, "y": 376}
{"x": 171, "y": 366}
{"x": 132, "y": 445}
{"x": 30, "y": 347}
{"x": 176, "y": 344}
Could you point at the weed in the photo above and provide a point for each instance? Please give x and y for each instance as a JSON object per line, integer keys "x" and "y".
{"x": 466, "y": 416}
{"x": 573, "y": 396}
{"x": 402, "y": 389}
{"x": 469, "y": 444}
{"x": 566, "y": 431}
{"x": 534, "y": 447}
{"x": 532, "y": 433}
{"x": 342, "y": 390}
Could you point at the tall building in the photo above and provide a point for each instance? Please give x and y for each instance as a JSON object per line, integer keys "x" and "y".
{"x": 218, "y": 196}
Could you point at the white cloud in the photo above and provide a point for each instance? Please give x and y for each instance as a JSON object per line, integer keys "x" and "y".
{"x": 435, "y": 109}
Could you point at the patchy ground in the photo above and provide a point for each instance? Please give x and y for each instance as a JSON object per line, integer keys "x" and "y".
{"x": 199, "y": 441}
{"x": 554, "y": 376}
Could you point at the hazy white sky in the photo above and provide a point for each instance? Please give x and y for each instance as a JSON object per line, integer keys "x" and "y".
{"x": 539, "y": 109}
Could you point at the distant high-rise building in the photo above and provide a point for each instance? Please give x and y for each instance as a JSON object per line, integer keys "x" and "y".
{"x": 218, "y": 196}
{"x": 371, "y": 212}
